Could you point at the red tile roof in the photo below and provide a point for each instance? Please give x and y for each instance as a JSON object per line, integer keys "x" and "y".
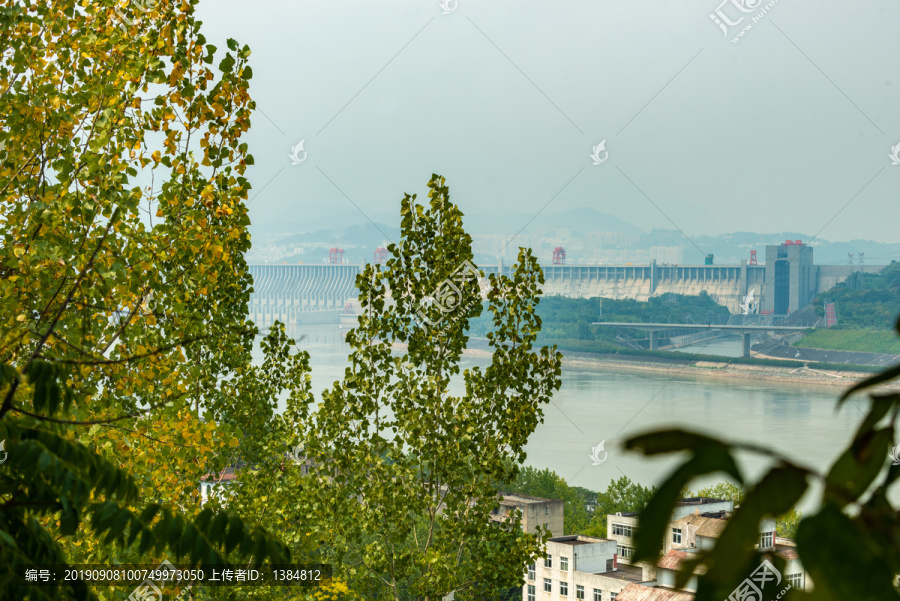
{"x": 673, "y": 559}
{"x": 639, "y": 592}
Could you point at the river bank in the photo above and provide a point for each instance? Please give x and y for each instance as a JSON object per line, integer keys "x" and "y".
{"x": 711, "y": 370}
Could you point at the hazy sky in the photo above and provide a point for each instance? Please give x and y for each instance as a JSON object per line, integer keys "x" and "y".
{"x": 779, "y": 131}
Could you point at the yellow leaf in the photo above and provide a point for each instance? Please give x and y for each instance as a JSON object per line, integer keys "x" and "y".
{"x": 156, "y": 155}
{"x": 233, "y": 442}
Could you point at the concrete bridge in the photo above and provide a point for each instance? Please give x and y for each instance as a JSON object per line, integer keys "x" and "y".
{"x": 744, "y": 331}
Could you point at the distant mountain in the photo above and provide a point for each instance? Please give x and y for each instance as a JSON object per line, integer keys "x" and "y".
{"x": 353, "y": 230}
{"x": 731, "y": 248}
{"x": 580, "y": 221}
{"x": 366, "y": 235}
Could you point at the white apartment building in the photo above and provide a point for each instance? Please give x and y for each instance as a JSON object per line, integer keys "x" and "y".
{"x": 697, "y": 522}
{"x": 578, "y": 568}
{"x": 621, "y": 526}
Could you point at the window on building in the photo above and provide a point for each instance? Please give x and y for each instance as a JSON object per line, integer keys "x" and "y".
{"x": 563, "y": 588}
{"x": 579, "y": 591}
{"x": 766, "y": 540}
{"x": 564, "y": 564}
{"x": 676, "y": 536}
{"x": 548, "y": 561}
{"x": 531, "y": 593}
{"x": 598, "y": 595}
{"x": 613, "y": 596}
{"x": 531, "y": 572}
{"x": 795, "y": 580}
{"x": 546, "y": 510}
{"x": 609, "y": 565}
{"x": 625, "y": 552}
{"x": 623, "y": 530}
{"x": 548, "y": 585}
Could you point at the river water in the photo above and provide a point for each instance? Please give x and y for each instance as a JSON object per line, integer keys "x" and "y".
{"x": 596, "y": 405}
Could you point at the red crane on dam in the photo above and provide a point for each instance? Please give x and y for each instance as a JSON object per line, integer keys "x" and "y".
{"x": 559, "y": 256}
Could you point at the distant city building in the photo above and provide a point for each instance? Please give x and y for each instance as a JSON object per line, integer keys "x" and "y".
{"x": 790, "y": 268}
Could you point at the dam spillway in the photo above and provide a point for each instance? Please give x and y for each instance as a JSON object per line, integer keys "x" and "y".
{"x": 295, "y": 294}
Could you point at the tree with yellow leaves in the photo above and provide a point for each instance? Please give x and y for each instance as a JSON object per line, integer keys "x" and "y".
{"x": 125, "y": 370}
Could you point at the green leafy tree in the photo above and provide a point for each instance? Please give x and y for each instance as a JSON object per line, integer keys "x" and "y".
{"x": 850, "y": 546}
{"x": 408, "y": 473}
{"x": 622, "y": 495}
{"x": 123, "y": 288}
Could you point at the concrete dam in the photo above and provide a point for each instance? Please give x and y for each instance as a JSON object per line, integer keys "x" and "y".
{"x": 787, "y": 282}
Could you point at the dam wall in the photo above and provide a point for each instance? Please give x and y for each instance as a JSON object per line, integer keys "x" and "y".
{"x": 295, "y": 294}
{"x": 726, "y": 284}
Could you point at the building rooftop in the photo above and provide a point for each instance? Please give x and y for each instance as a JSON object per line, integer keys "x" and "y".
{"x": 637, "y": 592}
{"x": 706, "y": 525}
{"x": 226, "y": 475}
{"x": 712, "y": 527}
{"x": 673, "y": 559}
{"x": 510, "y": 497}
{"x": 698, "y": 501}
{"x": 624, "y": 572}
{"x": 579, "y": 539}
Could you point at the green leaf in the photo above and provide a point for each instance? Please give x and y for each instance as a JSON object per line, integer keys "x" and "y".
{"x": 708, "y": 457}
{"x": 843, "y": 558}
{"x": 857, "y": 467}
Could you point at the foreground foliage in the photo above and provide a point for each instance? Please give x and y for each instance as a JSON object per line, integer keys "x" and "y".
{"x": 850, "y": 547}
{"x": 124, "y": 345}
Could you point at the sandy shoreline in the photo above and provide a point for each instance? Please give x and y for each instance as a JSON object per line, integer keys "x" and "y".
{"x": 802, "y": 376}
